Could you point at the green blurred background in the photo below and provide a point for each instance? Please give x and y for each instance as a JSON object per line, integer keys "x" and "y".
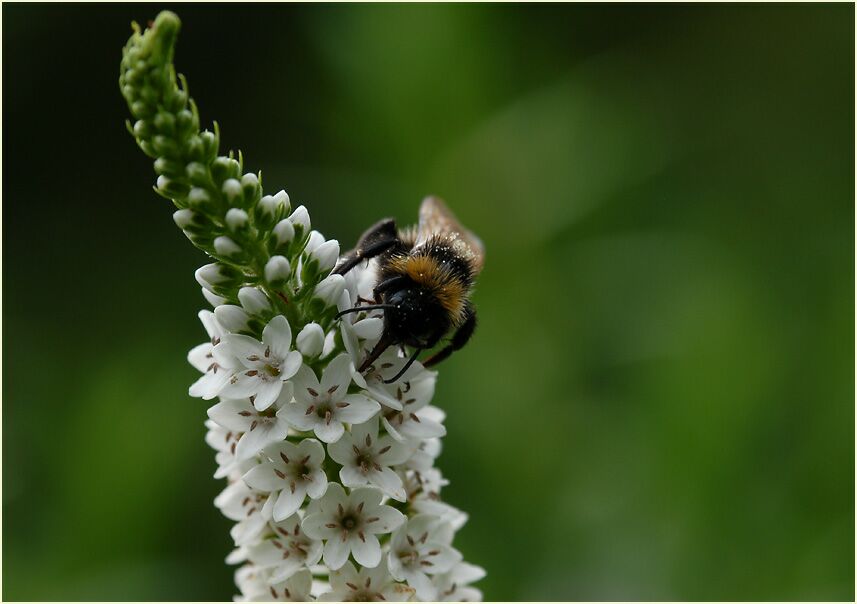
{"x": 659, "y": 401}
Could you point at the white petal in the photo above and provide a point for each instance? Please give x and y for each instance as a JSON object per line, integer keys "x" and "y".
{"x": 227, "y": 413}
{"x": 337, "y": 373}
{"x": 370, "y": 498}
{"x": 314, "y": 449}
{"x": 290, "y": 365}
{"x": 267, "y": 392}
{"x": 389, "y": 519}
{"x": 341, "y": 451}
{"x": 384, "y": 397}
{"x": 243, "y": 348}
{"x": 369, "y": 328}
{"x": 317, "y": 487}
{"x": 424, "y": 428}
{"x": 288, "y": 503}
{"x": 329, "y": 433}
{"x": 210, "y": 384}
{"x": 444, "y": 560}
{"x": 389, "y": 482}
{"x": 367, "y": 429}
{"x": 241, "y": 386}
{"x": 315, "y": 526}
{"x": 334, "y": 497}
{"x": 336, "y": 552}
{"x": 264, "y": 478}
{"x": 212, "y": 327}
{"x": 367, "y": 552}
{"x": 200, "y": 356}
{"x": 295, "y": 414}
{"x": 305, "y": 380}
{"x": 426, "y": 591}
{"x": 264, "y": 434}
{"x": 360, "y": 408}
{"x": 278, "y": 335}
{"x": 352, "y": 477}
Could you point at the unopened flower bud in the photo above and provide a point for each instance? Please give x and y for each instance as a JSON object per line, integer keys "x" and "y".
{"x": 311, "y": 340}
{"x": 236, "y": 219}
{"x": 184, "y": 218}
{"x": 330, "y": 289}
{"x": 224, "y": 246}
{"x": 284, "y": 233}
{"x": 300, "y": 219}
{"x": 210, "y": 274}
{"x": 232, "y": 318}
{"x": 326, "y": 255}
{"x": 213, "y": 298}
{"x": 277, "y": 269}
{"x": 233, "y": 192}
{"x": 314, "y": 241}
{"x": 253, "y": 300}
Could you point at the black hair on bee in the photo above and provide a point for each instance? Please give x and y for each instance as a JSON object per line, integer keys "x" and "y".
{"x": 426, "y": 275}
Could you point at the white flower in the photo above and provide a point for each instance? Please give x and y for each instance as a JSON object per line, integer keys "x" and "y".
{"x": 267, "y": 364}
{"x": 256, "y": 586}
{"x": 421, "y": 548}
{"x": 225, "y": 441}
{"x": 349, "y": 523}
{"x": 250, "y": 509}
{"x": 291, "y": 471}
{"x": 310, "y": 340}
{"x": 366, "y": 459}
{"x": 411, "y": 421}
{"x": 215, "y": 375}
{"x": 429, "y": 450}
{"x": 285, "y": 549}
{"x": 367, "y": 585}
{"x": 259, "y": 428}
{"x": 323, "y": 406}
{"x": 453, "y": 586}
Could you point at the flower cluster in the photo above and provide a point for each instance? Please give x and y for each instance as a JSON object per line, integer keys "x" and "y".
{"x": 331, "y": 477}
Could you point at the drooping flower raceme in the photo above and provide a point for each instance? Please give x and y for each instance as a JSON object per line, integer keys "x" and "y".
{"x": 330, "y": 472}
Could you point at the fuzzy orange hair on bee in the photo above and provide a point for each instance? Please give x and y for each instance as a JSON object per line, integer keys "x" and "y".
{"x": 426, "y": 275}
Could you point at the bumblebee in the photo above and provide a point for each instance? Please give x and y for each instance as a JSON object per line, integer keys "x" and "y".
{"x": 425, "y": 278}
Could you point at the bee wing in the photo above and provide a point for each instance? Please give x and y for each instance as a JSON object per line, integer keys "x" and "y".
{"x": 437, "y": 219}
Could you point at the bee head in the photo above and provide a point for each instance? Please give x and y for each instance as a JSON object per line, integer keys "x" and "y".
{"x": 415, "y": 317}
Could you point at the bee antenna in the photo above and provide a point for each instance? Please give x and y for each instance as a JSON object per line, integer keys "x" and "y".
{"x": 359, "y": 308}
{"x": 406, "y": 367}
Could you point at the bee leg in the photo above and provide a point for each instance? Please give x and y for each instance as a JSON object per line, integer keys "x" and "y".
{"x": 375, "y": 241}
{"x": 360, "y": 254}
{"x": 459, "y": 339}
{"x": 380, "y": 347}
{"x": 387, "y": 285}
